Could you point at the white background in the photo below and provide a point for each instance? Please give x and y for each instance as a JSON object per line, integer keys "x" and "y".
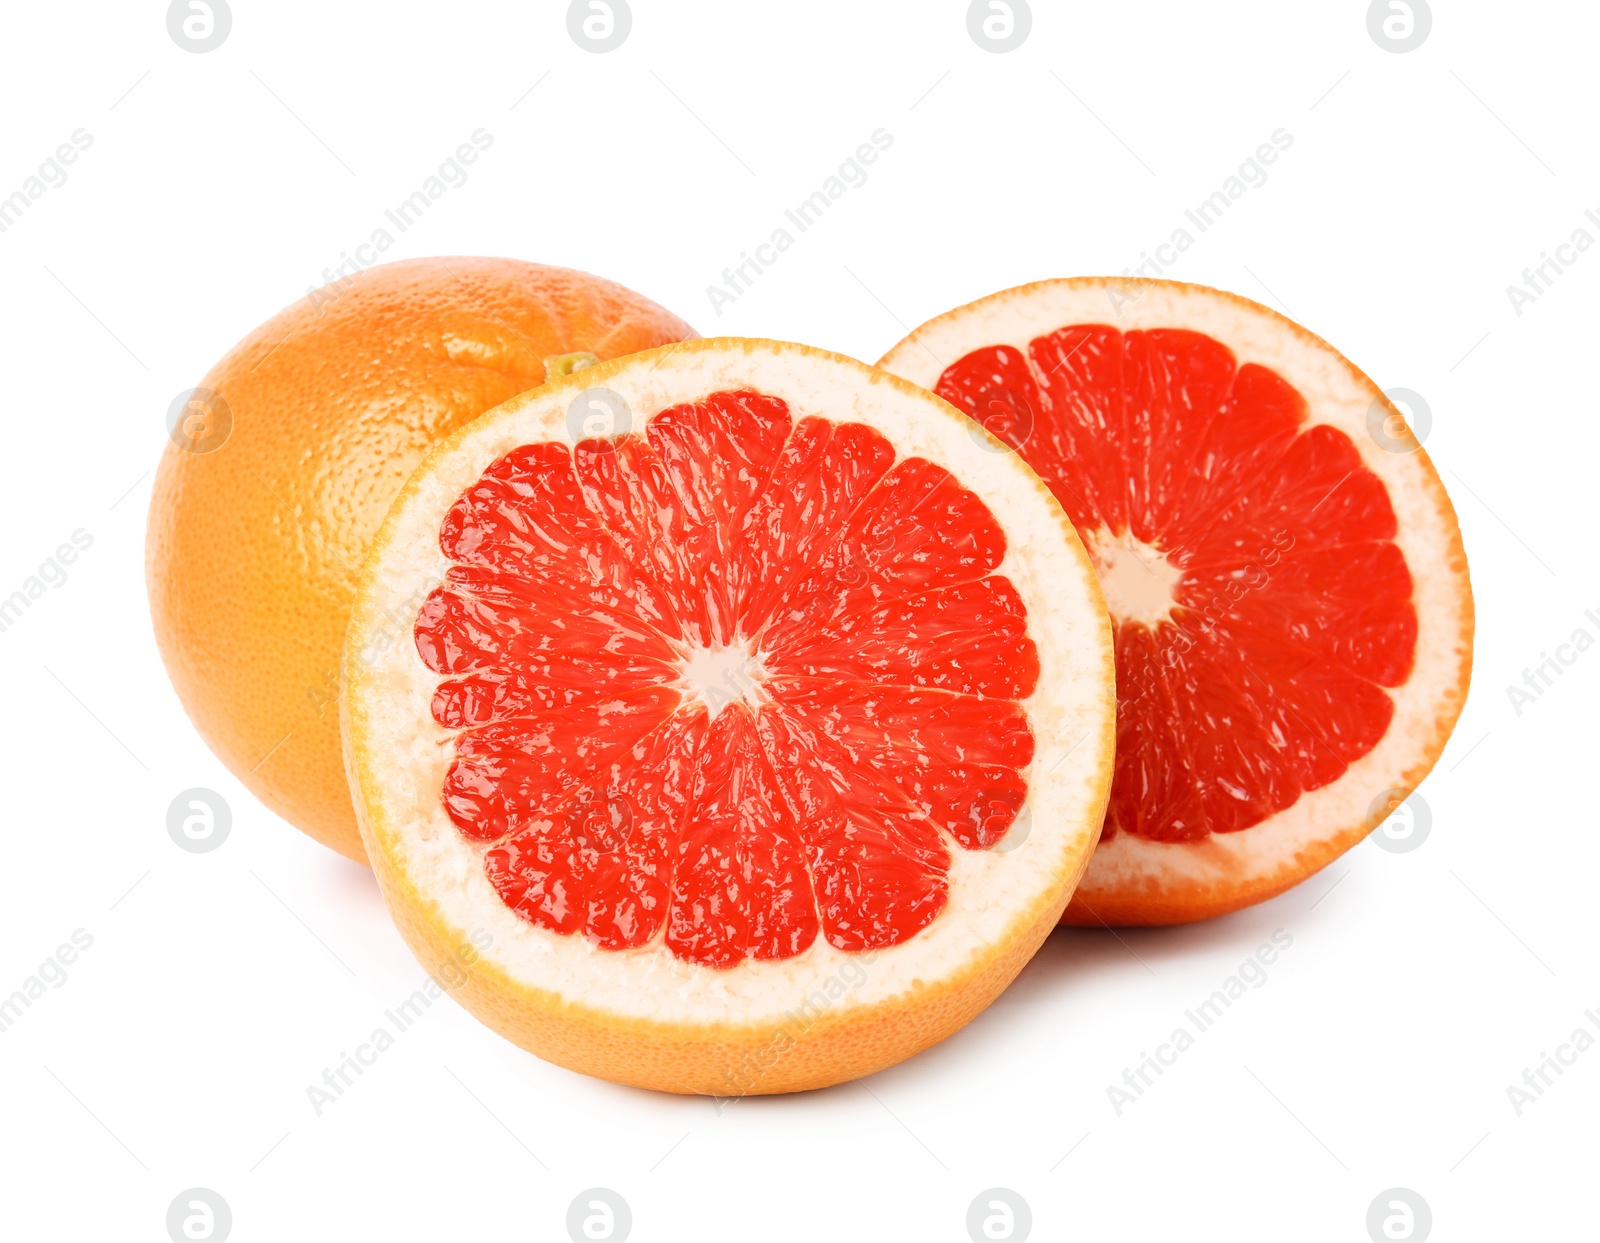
{"x": 219, "y": 186}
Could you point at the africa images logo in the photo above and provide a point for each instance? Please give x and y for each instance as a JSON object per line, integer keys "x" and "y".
{"x": 1251, "y": 975}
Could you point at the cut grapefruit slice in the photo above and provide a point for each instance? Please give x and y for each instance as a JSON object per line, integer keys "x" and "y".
{"x": 1284, "y": 571}
{"x": 720, "y": 719}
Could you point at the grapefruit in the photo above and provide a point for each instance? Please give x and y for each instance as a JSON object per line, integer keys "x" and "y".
{"x": 302, "y": 435}
{"x": 722, "y": 720}
{"x": 1283, "y": 567}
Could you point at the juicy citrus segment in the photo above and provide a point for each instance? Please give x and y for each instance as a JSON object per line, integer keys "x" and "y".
{"x": 970, "y": 638}
{"x": 1260, "y": 556}
{"x": 742, "y": 887}
{"x": 1144, "y": 427}
{"x": 824, "y": 473}
{"x": 677, "y": 500}
{"x": 600, "y": 865}
{"x": 799, "y": 548}
{"x": 956, "y": 758}
{"x": 708, "y": 724}
{"x": 512, "y": 772}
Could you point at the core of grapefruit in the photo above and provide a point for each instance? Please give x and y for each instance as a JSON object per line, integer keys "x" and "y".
{"x": 1284, "y": 571}
{"x": 756, "y": 720}
{"x": 314, "y": 421}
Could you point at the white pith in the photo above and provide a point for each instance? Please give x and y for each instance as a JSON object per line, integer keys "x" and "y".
{"x": 398, "y": 755}
{"x": 1139, "y": 583}
{"x": 1326, "y": 820}
{"x": 719, "y": 676}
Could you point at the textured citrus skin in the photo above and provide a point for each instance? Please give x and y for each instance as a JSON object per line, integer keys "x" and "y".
{"x": 722, "y": 1059}
{"x": 711, "y": 1060}
{"x": 1162, "y": 901}
{"x": 254, "y": 549}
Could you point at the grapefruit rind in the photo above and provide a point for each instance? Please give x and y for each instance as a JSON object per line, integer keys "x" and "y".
{"x": 645, "y": 1016}
{"x": 252, "y": 549}
{"x": 1133, "y": 880}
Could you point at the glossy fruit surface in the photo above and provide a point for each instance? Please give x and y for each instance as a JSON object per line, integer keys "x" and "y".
{"x": 297, "y": 441}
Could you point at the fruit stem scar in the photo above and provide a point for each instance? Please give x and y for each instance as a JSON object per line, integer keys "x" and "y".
{"x": 558, "y": 365}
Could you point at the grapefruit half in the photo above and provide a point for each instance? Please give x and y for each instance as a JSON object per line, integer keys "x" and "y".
{"x": 723, "y": 720}
{"x": 1284, "y": 571}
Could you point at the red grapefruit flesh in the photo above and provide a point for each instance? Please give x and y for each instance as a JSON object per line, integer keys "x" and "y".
{"x": 738, "y": 698}
{"x": 1290, "y": 599}
{"x": 585, "y": 588}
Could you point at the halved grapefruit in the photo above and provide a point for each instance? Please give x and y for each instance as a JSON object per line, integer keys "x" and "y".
{"x": 721, "y": 720}
{"x": 1285, "y": 574}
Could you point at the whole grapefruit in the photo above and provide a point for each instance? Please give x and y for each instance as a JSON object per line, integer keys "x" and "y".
{"x": 283, "y": 463}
